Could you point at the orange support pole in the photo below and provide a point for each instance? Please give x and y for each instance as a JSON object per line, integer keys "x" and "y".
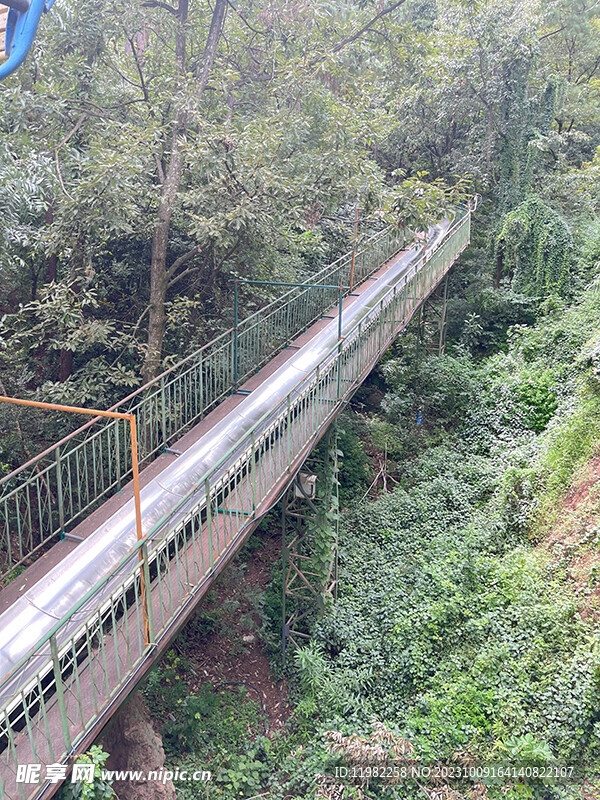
{"x": 134, "y": 468}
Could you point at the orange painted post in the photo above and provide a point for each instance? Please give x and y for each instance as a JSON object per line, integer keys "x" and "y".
{"x": 134, "y": 467}
{"x": 138, "y": 525}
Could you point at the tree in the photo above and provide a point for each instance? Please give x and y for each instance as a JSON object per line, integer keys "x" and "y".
{"x": 223, "y": 152}
{"x": 170, "y": 165}
{"x": 537, "y": 244}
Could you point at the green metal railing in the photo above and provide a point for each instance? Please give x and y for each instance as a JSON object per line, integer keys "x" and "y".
{"x": 72, "y": 675}
{"x": 54, "y": 490}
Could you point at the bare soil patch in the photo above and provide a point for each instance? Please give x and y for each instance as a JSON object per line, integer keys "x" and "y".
{"x": 225, "y": 645}
{"x": 573, "y": 542}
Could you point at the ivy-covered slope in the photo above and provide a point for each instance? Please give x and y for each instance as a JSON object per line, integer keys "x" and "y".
{"x": 454, "y": 626}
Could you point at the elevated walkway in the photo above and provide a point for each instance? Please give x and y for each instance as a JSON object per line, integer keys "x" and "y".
{"x": 58, "y": 697}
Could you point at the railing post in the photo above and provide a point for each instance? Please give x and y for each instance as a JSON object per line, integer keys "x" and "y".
{"x": 259, "y": 339}
{"x": 235, "y": 335}
{"x": 148, "y": 594}
{"x": 60, "y": 692}
{"x": 59, "y": 489}
{"x": 354, "y": 250}
{"x": 118, "y": 454}
{"x": 358, "y": 350}
{"x": 289, "y": 431}
{"x": 163, "y": 406}
{"x": 145, "y": 590}
{"x": 209, "y": 524}
{"x": 428, "y": 275}
{"x": 201, "y": 375}
{"x": 339, "y": 358}
{"x": 318, "y": 403}
{"x": 253, "y": 469}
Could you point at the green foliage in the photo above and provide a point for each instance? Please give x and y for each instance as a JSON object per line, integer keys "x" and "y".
{"x": 355, "y": 473}
{"x": 14, "y": 574}
{"x": 414, "y": 203}
{"x": 220, "y": 729}
{"x": 448, "y": 622}
{"x": 442, "y": 387}
{"x": 100, "y": 789}
{"x": 244, "y": 774}
{"x": 571, "y": 444}
{"x": 537, "y": 396}
{"x": 301, "y": 121}
{"x": 457, "y": 644}
{"x": 210, "y": 721}
{"x": 323, "y": 526}
{"x": 165, "y": 688}
{"x": 536, "y": 245}
{"x": 527, "y": 749}
{"x": 311, "y": 667}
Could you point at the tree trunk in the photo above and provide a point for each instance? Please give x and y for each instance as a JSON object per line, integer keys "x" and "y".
{"x": 52, "y": 260}
{"x": 133, "y": 745}
{"x": 159, "y": 273}
{"x": 65, "y": 357}
{"x": 499, "y": 268}
{"x": 159, "y": 280}
{"x": 65, "y": 365}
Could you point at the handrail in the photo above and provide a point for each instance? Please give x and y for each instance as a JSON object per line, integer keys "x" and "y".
{"x": 156, "y": 380}
{"x": 163, "y": 523}
{"x": 167, "y": 406}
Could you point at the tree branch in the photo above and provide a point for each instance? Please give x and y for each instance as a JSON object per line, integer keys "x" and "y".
{"x": 589, "y": 73}
{"x": 210, "y": 48}
{"x": 230, "y": 252}
{"x": 157, "y": 4}
{"x": 124, "y": 77}
{"x": 181, "y": 275}
{"x": 349, "y": 39}
{"x": 104, "y": 109}
{"x": 179, "y": 262}
{"x": 73, "y": 131}
{"x": 60, "y": 176}
{"x": 159, "y": 168}
{"x": 132, "y": 334}
{"x": 245, "y": 21}
{"x": 139, "y": 72}
{"x": 552, "y": 33}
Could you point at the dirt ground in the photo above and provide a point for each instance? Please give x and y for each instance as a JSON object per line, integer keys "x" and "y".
{"x": 573, "y": 542}
{"x": 232, "y": 652}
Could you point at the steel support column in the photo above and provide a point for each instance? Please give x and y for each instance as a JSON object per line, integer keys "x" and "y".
{"x": 432, "y": 319}
{"x": 310, "y": 528}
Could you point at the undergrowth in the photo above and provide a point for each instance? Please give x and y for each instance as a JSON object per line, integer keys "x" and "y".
{"x": 453, "y": 632}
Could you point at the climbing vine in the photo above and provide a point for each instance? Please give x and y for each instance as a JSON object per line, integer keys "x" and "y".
{"x": 516, "y": 114}
{"x": 525, "y": 121}
{"x": 536, "y": 244}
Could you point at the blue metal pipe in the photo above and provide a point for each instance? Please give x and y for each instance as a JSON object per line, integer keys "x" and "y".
{"x": 21, "y": 27}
